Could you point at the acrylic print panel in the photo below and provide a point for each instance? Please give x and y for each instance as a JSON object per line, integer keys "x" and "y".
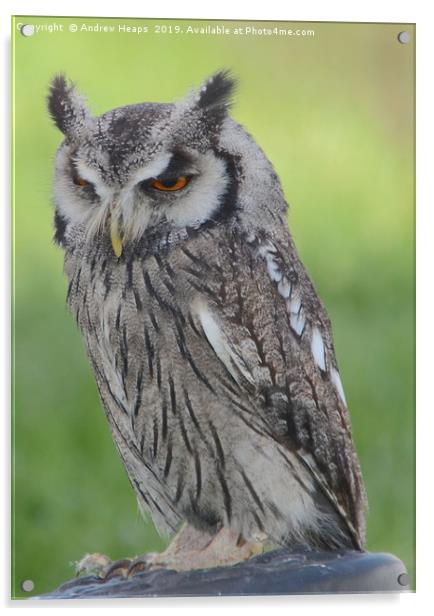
{"x": 195, "y": 289}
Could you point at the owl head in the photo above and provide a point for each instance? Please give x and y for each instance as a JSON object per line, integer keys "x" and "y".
{"x": 156, "y": 168}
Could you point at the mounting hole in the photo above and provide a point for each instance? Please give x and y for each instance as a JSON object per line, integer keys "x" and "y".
{"x": 27, "y": 30}
{"x": 28, "y": 585}
{"x": 404, "y": 37}
{"x": 403, "y": 579}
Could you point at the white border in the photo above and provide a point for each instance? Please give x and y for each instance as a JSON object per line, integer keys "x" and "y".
{"x": 332, "y": 10}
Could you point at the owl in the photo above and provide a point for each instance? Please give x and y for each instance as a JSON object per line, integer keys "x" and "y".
{"x": 212, "y": 352}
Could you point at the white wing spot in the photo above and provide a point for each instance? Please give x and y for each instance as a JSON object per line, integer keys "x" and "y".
{"x": 266, "y": 248}
{"x": 297, "y": 317}
{"x": 221, "y": 346}
{"x": 336, "y": 380}
{"x": 297, "y": 322}
{"x": 295, "y": 304}
{"x": 267, "y": 251}
{"x": 284, "y": 288}
{"x": 317, "y": 347}
{"x": 273, "y": 270}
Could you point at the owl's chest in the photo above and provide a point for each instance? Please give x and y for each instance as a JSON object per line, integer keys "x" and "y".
{"x": 116, "y": 298}
{"x": 135, "y": 319}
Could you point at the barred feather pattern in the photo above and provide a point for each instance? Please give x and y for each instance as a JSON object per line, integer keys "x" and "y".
{"x": 226, "y": 412}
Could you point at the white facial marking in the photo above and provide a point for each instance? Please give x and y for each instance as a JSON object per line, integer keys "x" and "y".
{"x": 336, "y": 380}
{"x": 91, "y": 175}
{"x": 67, "y": 201}
{"x": 136, "y": 220}
{"x": 317, "y": 347}
{"x": 151, "y": 170}
{"x": 203, "y": 195}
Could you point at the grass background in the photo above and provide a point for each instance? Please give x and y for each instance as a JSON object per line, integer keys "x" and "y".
{"x": 334, "y": 113}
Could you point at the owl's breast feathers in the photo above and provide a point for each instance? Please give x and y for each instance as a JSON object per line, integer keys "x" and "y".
{"x": 215, "y": 360}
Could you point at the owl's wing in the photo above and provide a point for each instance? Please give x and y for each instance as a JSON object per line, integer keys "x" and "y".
{"x": 274, "y": 338}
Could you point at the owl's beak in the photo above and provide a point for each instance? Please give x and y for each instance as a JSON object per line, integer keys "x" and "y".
{"x": 115, "y": 237}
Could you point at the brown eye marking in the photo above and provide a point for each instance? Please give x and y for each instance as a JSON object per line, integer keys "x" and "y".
{"x": 171, "y": 184}
{"x": 79, "y": 181}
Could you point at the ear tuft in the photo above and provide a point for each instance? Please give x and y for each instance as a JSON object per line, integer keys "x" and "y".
{"x": 217, "y": 91}
{"x": 66, "y": 106}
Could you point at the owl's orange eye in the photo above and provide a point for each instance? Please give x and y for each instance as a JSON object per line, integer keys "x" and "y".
{"x": 170, "y": 184}
{"x": 78, "y": 181}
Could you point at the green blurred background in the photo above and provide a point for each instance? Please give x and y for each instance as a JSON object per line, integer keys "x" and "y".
{"x": 334, "y": 113}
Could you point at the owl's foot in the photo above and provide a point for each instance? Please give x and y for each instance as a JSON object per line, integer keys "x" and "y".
{"x": 102, "y": 566}
{"x": 190, "y": 549}
{"x": 193, "y": 549}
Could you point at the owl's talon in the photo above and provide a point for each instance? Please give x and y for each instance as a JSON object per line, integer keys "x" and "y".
{"x": 136, "y": 567}
{"x": 118, "y": 568}
{"x": 143, "y": 563}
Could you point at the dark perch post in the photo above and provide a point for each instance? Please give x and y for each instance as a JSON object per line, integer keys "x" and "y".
{"x": 275, "y": 573}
